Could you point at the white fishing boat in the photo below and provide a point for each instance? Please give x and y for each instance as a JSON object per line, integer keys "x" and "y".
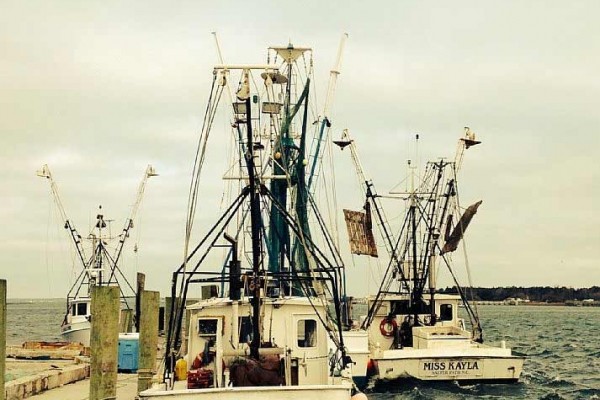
{"x": 442, "y": 350}
{"x": 413, "y": 330}
{"x": 76, "y": 323}
{"x": 100, "y": 268}
{"x": 219, "y": 358}
{"x": 265, "y": 329}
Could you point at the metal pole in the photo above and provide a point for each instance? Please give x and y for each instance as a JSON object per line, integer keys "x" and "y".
{"x": 141, "y": 283}
{"x": 256, "y": 240}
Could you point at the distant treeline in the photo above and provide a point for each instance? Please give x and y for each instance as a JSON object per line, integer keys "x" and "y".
{"x": 537, "y": 293}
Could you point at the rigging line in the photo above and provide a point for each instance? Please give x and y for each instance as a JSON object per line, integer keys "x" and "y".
{"x": 389, "y": 277}
{"x": 308, "y": 294}
{"x": 50, "y": 215}
{"x": 225, "y": 73}
{"x": 428, "y": 218}
{"x": 465, "y": 254}
{"x": 334, "y": 220}
{"x": 76, "y": 282}
{"x": 473, "y": 319}
{"x": 225, "y": 216}
{"x": 305, "y": 99}
{"x": 307, "y": 289}
{"x": 198, "y": 163}
{"x": 224, "y": 220}
{"x": 227, "y": 190}
{"x": 337, "y": 257}
{"x": 199, "y": 158}
{"x": 137, "y": 241}
{"x": 114, "y": 268}
{"x": 315, "y": 253}
{"x": 328, "y": 238}
{"x": 292, "y": 223}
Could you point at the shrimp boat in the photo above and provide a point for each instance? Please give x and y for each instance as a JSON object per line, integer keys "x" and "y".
{"x": 274, "y": 304}
{"x": 414, "y": 331}
{"x": 101, "y": 268}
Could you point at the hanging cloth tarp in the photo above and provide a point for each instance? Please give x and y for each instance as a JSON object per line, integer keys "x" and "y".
{"x": 459, "y": 230}
{"x": 360, "y": 232}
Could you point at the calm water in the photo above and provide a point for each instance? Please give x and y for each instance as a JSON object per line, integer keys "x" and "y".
{"x": 37, "y": 319}
{"x": 562, "y": 346}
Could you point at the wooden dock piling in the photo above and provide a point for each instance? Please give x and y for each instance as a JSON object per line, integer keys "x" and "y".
{"x": 104, "y": 340}
{"x": 148, "y": 338}
{"x": 126, "y": 321}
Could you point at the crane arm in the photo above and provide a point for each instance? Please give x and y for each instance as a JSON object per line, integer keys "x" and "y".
{"x": 370, "y": 193}
{"x": 326, "y": 122}
{"x": 73, "y": 234}
{"x": 150, "y": 172}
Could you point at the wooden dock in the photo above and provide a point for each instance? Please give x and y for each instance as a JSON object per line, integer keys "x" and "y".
{"x": 126, "y": 390}
{"x": 58, "y": 370}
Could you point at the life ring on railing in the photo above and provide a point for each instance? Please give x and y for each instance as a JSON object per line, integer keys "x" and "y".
{"x": 388, "y": 327}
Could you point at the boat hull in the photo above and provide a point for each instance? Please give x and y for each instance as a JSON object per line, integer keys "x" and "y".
{"x": 466, "y": 368}
{"x": 78, "y": 332}
{"x": 312, "y": 392}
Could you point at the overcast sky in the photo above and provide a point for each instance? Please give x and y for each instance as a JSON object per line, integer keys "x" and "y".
{"x": 98, "y": 90}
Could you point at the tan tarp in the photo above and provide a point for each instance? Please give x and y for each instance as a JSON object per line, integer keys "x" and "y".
{"x": 360, "y": 233}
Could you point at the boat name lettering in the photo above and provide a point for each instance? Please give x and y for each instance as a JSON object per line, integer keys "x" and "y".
{"x": 450, "y": 366}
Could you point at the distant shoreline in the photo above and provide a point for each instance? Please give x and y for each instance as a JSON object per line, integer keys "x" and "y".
{"x": 539, "y": 304}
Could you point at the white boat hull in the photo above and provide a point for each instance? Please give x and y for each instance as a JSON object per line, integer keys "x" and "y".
{"x": 445, "y": 351}
{"x": 466, "y": 367}
{"x": 78, "y": 332}
{"x": 312, "y": 392}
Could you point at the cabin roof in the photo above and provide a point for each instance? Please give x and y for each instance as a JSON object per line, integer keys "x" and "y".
{"x": 395, "y": 297}
{"x": 223, "y": 301}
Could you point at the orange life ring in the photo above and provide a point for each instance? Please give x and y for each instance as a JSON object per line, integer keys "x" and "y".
{"x": 388, "y": 327}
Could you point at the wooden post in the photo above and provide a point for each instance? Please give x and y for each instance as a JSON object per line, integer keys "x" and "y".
{"x": 126, "y": 321}
{"x": 104, "y": 338}
{"x": 168, "y": 301}
{"x": 148, "y": 338}
{"x": 2, "y": 336}
{"x": 141, "y": 284}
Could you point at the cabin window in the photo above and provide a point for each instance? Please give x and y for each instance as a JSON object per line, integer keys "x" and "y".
{"x": 307, "y": 333}
{"x": 80, "y": 309}
{"x": 73, "y": 310}
{"x": 207, "y": 327}
{"x": 446, "y": 312}
{"x": 245, "y": 326}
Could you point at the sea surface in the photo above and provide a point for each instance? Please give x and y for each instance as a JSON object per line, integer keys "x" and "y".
{"x": 561, "y": 346}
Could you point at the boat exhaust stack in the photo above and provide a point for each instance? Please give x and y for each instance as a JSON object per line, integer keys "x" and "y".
{"x": 234, "y": 270}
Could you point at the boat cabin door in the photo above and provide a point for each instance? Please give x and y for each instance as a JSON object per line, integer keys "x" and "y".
{"x": 310, "y": 350}
{"x": 209, "y": 346}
